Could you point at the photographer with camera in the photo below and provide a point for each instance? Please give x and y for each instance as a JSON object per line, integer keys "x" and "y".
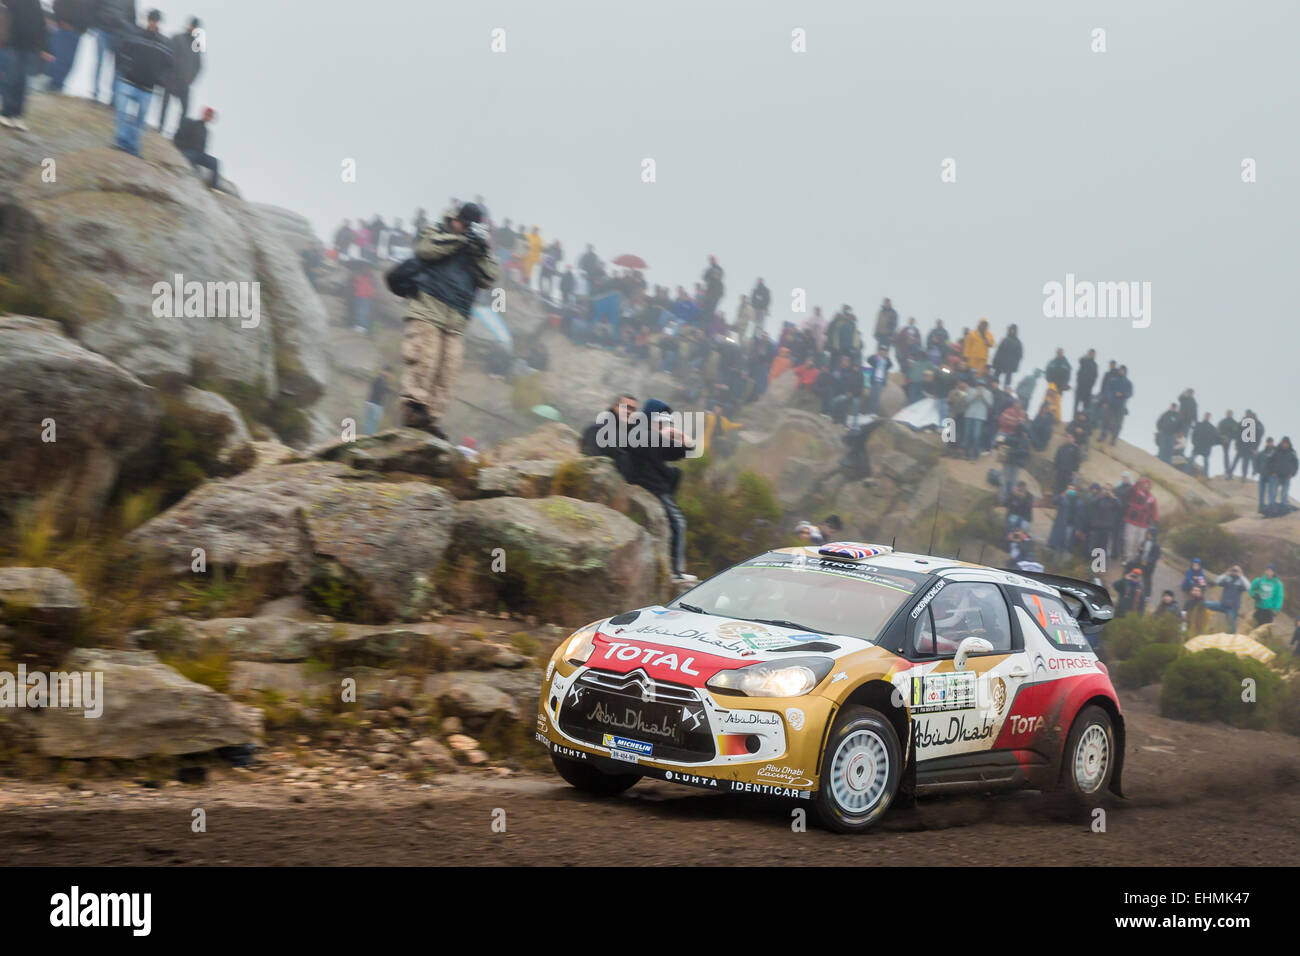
{"x": 452, "y": 262}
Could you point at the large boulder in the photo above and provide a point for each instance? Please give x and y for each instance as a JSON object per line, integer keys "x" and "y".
{"x": 236, "y": 449}
{"x": 101, "y": 241}
{"x": 71, "y": 418}
{"x": 148, "y": 709}
{"x": 402, "y": 450}
{"x": 43, "y": 596}
{"x": 560, "y": 558}
{"x": 363, "y": 548}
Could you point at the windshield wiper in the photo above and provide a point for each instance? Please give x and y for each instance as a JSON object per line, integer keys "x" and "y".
{"x": 783, "y": 623}
{"x": 693, "y": 609}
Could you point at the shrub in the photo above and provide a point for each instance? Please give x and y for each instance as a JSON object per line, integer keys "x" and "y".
{"x": 1147, "y": 666}
{"x": 1288, "y": 710}
{"x": 726, "y": 522}
{"x": 1123, "y": 638}
{"x": 1205, "y": 539}
{"x": 1208, "y": 685}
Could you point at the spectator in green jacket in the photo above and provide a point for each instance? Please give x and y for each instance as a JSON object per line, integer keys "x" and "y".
{"x": 1267, "y": 592}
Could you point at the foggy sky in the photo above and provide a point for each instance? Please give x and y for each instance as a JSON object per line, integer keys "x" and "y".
{"x": 821, "y": 170}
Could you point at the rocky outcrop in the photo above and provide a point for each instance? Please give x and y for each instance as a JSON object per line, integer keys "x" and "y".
{"x": 561, "y": 558}
{"x": 43, "y": 598}
{"x": 100, "y": 237}
{"x": 236, "y": 449}
{"x": 71, "y": 417}
{"x": 148, "y": 709}
{"x": 362, "y": 548}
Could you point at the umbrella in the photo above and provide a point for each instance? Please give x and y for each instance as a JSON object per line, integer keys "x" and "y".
{"x": 1238, "y": 644}
{"x": 629, "y": 261}
{"x": 548, "y": 411}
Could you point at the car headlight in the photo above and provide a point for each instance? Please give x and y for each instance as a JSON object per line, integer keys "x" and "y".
{"x": 788, "y": 678}
{"x": 580, "y": 646}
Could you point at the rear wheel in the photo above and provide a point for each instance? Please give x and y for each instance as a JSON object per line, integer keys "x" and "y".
{"x": 1089, "y": 758}
{"x": 588, "y": 779}
{"x": 860, "y": 772}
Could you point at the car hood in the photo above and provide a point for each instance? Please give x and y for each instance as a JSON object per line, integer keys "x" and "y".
{"x": 731, "y": 639}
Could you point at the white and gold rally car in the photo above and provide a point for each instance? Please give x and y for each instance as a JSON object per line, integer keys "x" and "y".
{"x": 847, "y": 675}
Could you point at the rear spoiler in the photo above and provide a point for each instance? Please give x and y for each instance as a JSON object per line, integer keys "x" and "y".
{"x": 1096, "y": 606}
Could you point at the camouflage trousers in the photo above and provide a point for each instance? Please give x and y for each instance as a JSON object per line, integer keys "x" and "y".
{"x": 431, "y": 358}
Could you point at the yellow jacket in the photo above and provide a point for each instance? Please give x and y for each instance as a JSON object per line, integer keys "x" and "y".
{"x": 975, "y": 349}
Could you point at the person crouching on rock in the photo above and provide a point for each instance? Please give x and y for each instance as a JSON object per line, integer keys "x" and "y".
{"x": 622, "y": 433}
{"x": 458, "y": 264}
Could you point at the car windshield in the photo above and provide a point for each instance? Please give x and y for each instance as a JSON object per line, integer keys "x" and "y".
{"x": 806, "y": 592}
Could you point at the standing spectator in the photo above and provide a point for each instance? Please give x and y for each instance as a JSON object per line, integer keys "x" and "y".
{"x": 1115, "y": 400}
{"x": 1142, "y": 513}
{"x": 589, "y": 265}
{"x": 1058, "y": 371}
{"x": 886, "y": 324}
{"x": 1103, "y": 514}
{"x": 71, "y": 20}
{"x": 143, "y": 61}
{"x": 1234, "y": 585}
{"x": 1006, "y": 360}
{"x": 713, "y": 288}
{"x": 380, "y": 389}
{"x": 458, "y": 264}
{"x": 343, "y": 239}
{"x": 1169, "y": 606}
{"x": 1186, "y": 410}
{"x": 1026, "y": 387}
{"x": 533, "y": 255}
{"x": 1167, "y": 427}
{"x": 1148, "y": 554}
{"x": 1123, "y": 491}
{"x": 936, "y": 342}
{"x": 112, "y": 20}
{"x": 567, "y": 284}
{"x": 187, "y": 63}
{"x": 746, "y": 316}
{"x": 1264, "y": 471}
{"x": 1204, "y": 437}
{"x": 761, "y": 299}
{"x": 1130, "y": 591}
{"x": 976, "y": 346}
{"x": 646, "y": 465}
{"x": 1066, "y": 463}
{"x": 1282, "y": 466}
{"x": 1229, "y": 430}
{"x": 20, "y": 57}
{"x": 880, "y": 365}
{"x": 363, "y": 294}
{"x": 1085, "y": 379}
{"x": 1249, "y": 437}
{"x": 1017, "y": 452}
{"x": 1069, "y": 508}
{"x": 192, "y": 140}
{"x": 842, "y": 338}
{"x": 1267, "y": 593}
{"x": 1020, "y": 508}
{"x": 1195, "y": 577}
{"x": 979, "y": 404}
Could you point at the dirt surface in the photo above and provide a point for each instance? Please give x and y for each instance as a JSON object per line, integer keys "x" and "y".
{"x": 1198, "y": 794}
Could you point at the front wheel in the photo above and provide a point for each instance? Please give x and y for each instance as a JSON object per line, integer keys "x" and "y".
{"x": 1089, "y": 758}
{"x": 588, "y": 779}
{"x": 860, "y": 772}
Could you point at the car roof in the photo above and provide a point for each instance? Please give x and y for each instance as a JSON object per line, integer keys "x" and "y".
{"x": 886, "y": 558}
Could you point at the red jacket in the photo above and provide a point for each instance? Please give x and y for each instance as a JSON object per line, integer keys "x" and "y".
{"x": 1142, "y": 510}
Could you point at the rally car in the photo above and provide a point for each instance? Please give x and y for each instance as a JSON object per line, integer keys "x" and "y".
{"x": 847, "y": 675}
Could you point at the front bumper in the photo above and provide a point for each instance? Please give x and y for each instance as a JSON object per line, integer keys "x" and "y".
{"x": 624, "y": 723}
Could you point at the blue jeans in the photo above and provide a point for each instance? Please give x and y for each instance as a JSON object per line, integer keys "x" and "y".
{"x": 361, "y": 314}
{"x": 15, "y": 65}
{"x": 129, "y": 123}
{"x": 1229, "y": 612}
{"x": 373, "y": 413}
{"x": 63, "y": 44}
{"x": 974, "y": 431}
{"x": 677, "y": 532}
{"x": 1264, "y": 493}
{"x": 105, "y": 43}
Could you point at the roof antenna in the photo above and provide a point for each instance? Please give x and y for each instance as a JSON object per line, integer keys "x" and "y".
{"x": 981, "y": 557}
{"x": 893, "y": 541}
{"x": 957, "y": 556}
{"x": 933, "y": 524}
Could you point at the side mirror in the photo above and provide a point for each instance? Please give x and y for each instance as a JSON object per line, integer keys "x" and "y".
{"x": 968, "y": 646}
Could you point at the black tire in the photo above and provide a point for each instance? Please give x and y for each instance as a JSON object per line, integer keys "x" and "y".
{"x": 855, "y": 788}
{"x": 588, "y": 779}
{"x": 1088, "y": 761}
